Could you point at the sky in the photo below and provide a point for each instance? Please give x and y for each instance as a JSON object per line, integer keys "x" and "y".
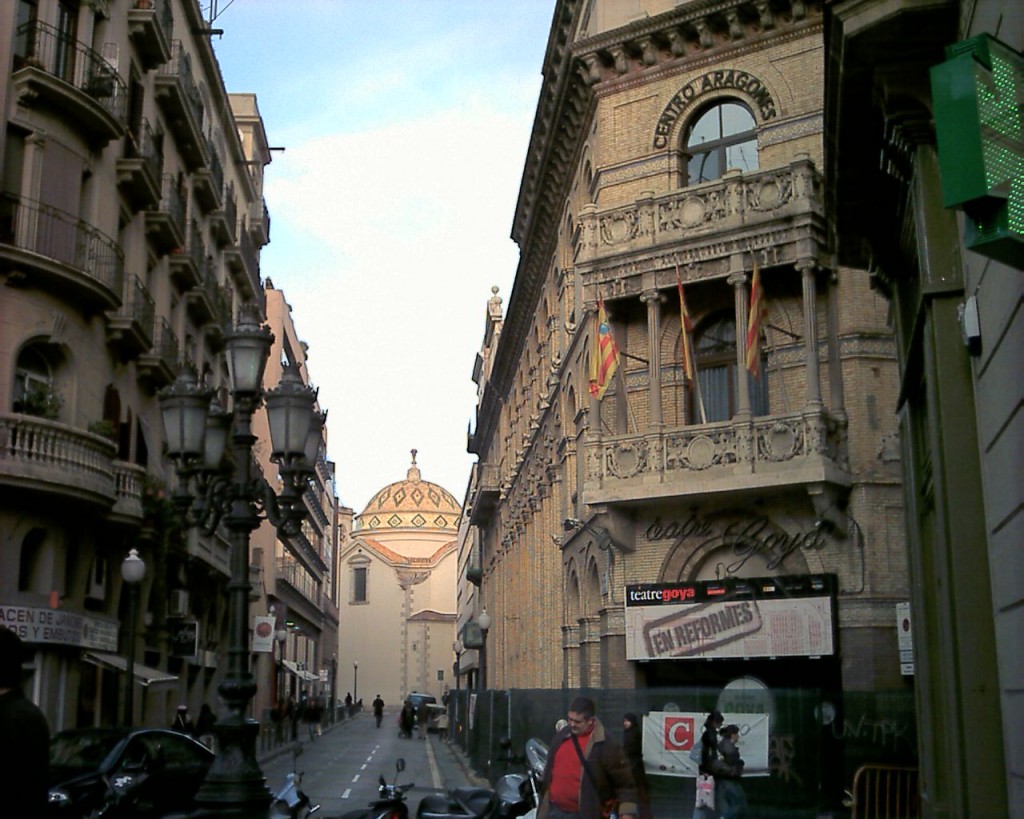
{"x": 405, "y": 125}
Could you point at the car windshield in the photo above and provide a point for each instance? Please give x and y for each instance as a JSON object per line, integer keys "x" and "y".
{"x": 83, "y": 750}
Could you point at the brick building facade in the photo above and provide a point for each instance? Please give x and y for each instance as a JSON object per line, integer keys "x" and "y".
{"x": 682, "y": 147}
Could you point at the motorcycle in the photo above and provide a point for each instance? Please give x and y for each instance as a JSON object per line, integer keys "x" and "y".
{"x": 291, "y": 802}
{"x": 514, "y": 794}
{"x": 390, "y": 802}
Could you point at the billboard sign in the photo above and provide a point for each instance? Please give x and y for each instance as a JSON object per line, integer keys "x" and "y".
{"x": 736, "y": 618}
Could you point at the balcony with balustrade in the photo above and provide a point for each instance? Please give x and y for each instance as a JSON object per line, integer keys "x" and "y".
{"x": 208, "y": 181}
{"x": 165, "y": 223}
{"x": 188, "y": 263}
{"x": 224, "y": 221}
{"x": 70, "y": 81}
{"x": 130, "y": 328}
{"x": 158, "y": 366}
{"x": 140, "y": 169}
{"x": 150, "y": 25}
{"x": 52, "y": 459}
{"x": 485, "y": 486}
{"x": 243, "y": 262}
{"x": 178, "y": 97}
{"x": 42, "y": 246}
{"x": 707, "y": 233}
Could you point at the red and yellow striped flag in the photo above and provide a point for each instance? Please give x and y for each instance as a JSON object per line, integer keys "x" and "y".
{"x": 604, "y": 358}
{"x": 687, "y": 324}
{"x": 755, "y": 322}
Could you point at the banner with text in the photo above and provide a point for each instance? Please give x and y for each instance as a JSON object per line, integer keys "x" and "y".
{"x": 668, "y": 737}
{"x": 60, "y": 627}
{"x": 740, "y": 617}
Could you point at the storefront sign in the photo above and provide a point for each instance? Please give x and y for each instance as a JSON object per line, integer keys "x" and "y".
{"x": 59, "y": 627}
{"x": 668, "y": 737}
{"x": 739, "y": 617}
{"x": 183, "y": 636}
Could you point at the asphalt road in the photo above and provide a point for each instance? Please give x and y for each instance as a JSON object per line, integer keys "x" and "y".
{"x": 341, "y": 768}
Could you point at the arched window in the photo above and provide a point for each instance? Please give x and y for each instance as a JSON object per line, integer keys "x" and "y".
{"x": 715, "y": 354}
{"x": 34, "y": 390}
{"x": 722, "y": 138}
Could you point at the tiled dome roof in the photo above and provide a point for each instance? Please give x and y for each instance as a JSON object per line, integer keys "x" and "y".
{"x": 413, "y": 503}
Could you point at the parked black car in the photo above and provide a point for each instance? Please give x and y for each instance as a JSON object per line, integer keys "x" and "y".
{"x": 114, "y": 772}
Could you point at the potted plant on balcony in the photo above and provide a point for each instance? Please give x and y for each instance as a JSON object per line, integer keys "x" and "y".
{"x": 42, "y": 402}
{"x": 104, "y": 428}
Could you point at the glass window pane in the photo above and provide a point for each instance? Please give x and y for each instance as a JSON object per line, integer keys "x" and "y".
{"x": 706, "y": 129}
{"x": 736, "y": 119}
{"x": 705, "y": 166}
{"x": 742, "y": 156}
{"x": 714, "y": 390}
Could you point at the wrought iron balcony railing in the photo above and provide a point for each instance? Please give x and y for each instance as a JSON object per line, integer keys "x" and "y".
{"x": 53, "y": 246}
{"x": 48, "y": 49}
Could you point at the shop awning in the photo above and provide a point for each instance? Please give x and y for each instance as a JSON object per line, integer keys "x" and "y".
{"x": 302, "y": 674}
{"x": 144, "y": 675}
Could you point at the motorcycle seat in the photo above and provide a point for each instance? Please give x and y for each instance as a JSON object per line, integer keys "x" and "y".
{"x": 461, "y": 803}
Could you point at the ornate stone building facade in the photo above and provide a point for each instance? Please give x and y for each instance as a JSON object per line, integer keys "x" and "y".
{"x": 677, "y": 149}
{"x": 396, "y": 581}
{"x": 131, "y": 221}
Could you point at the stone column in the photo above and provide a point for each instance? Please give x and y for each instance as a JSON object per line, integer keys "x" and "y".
{"x": 738, "y": 280}
{"x": 653, "y": 300}
{"x": 806, "y": 268}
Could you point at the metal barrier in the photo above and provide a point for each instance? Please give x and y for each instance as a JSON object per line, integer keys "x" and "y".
{"x": 885, "y": 792}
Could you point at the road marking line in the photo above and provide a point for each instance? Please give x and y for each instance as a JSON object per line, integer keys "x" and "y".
{"x": 435, "y": 772}
{"x": 355, "y": 778}
{"x": 345, "y": 795}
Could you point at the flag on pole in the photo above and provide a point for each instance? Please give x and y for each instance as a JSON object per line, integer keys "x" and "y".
{"x": 755, "y": 322}
{"x": 687, "y": 324}
{"x": 604, "y": 358}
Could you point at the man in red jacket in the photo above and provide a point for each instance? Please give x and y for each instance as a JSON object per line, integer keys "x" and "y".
{"x": 587, "y": 774}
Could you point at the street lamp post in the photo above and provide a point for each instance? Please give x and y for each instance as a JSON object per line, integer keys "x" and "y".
{"x": 458, "y": 648}
{"x": 280, "y": 636}
{"x": 484, "y": 621}
{"x": 214, "y": 489}
{"x": 133, "y": 570}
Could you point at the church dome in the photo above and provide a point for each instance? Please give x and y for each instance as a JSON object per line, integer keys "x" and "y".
{"x": 412, "y": 503}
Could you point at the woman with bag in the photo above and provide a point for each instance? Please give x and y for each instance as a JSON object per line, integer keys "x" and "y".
{"x": 710, "y": 766}
{"x": 731, "y": 800}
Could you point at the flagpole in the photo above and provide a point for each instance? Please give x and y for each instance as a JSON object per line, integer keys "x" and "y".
{"x": 689, "y": 359}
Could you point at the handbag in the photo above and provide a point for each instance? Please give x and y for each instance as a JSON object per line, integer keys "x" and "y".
{"x": 609, "y": 805}
{"x": 705, "y": 792}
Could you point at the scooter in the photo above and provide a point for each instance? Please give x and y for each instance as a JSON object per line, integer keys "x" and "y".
{"x": 291, "y": 802}
{"x": 514, "y": 795}
{"x": 390, "y": 803}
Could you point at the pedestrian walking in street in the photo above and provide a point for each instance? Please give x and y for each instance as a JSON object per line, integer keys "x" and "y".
{"x": 204, "y": 725}
{"x": 182, "y": 721}
{"x": 348, "y": 704}
{"x": 24, "y": 736}
{"x": 709, "y": 767}
{"x": 730, "y": 799}
{"x": 378, "y": 709}
{"x": 587, "y": 773}
{"x": 632, "y": 744}
{"x": 405, "y": 720}
{"x": 292, "y": 715}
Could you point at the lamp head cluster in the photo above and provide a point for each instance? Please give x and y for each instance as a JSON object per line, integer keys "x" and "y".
{"x": 198, "y": 430}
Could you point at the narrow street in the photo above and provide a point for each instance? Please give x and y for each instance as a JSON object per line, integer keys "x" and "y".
{"x": 342, "y": 767}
